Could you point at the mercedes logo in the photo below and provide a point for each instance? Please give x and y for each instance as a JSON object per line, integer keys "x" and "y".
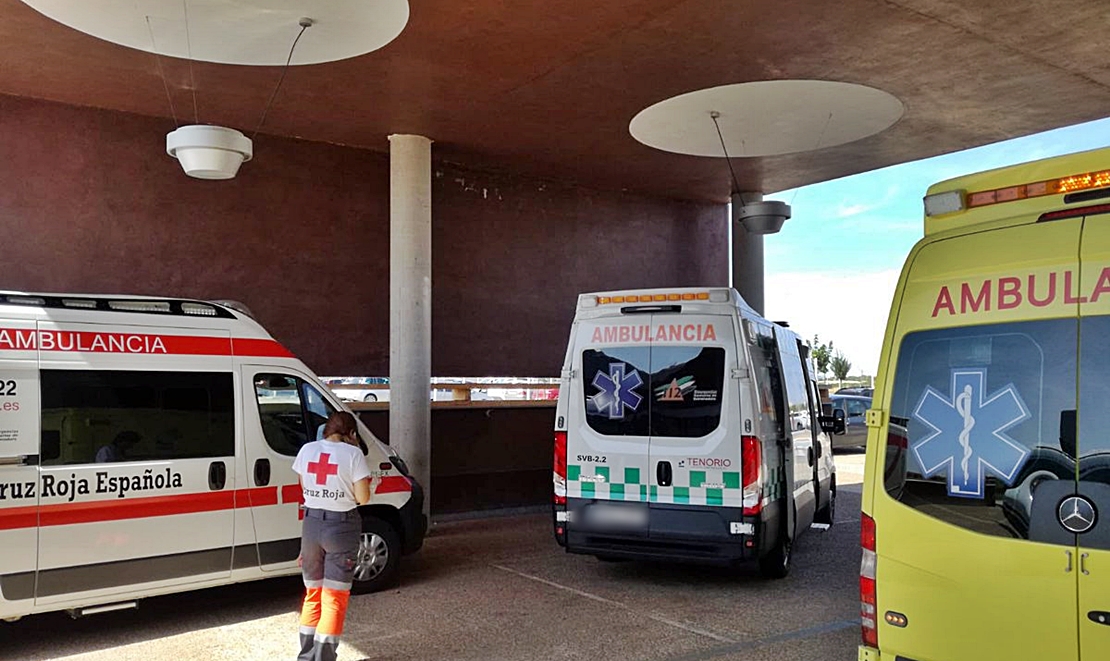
{"x": 1077, "y": 514}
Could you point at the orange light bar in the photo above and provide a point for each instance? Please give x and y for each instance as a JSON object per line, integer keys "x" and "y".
{"x": 652, "y": 298}
{"x": 1076, "y": 182}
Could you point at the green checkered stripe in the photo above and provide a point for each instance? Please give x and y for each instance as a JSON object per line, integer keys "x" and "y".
{"x": 774, "y": 485}
{"x": 604, "y": 483}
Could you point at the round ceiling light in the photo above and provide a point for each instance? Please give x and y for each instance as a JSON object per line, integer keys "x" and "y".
{"x": 209, "y": 152}
{"x": 253, "y": 32}
{"x": 766, "y": 118}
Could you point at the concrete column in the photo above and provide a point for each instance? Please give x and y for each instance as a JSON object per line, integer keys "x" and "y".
{"x": 747, "y": 256}
{"x": 410, "y": 304}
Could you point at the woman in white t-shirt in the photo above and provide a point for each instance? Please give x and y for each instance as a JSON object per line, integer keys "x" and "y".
{"x": 335, "y": 481}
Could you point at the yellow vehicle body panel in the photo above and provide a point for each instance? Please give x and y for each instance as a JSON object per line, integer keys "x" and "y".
{"x": 969, "y": 586}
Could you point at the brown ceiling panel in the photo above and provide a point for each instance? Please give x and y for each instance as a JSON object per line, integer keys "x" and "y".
{"x": 548, "y": 89}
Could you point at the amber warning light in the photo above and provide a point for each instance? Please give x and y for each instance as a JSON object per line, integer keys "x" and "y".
{"x": 953, "y": 201}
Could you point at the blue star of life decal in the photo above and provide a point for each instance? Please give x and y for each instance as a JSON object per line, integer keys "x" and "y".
{"x": 617, "y": 391}
{"x": 967, "y": 438}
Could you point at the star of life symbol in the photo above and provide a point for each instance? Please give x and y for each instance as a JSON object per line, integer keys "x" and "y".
{"x": 616, "y": 391}
{"x": 967, "y": 438}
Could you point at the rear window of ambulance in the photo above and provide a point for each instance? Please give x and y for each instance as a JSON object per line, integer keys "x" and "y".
{"x": 653, "y": 391}
{"x": 976, "y": 419}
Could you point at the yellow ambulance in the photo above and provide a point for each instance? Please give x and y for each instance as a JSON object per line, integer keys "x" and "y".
{"x": 986, "y": 502}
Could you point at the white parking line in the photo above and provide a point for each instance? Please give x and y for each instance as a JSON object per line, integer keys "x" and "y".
{"x": 616, "y": 604}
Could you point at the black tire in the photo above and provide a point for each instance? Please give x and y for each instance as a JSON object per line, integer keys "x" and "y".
{"x": 827, "y": 514}
{"x": 379, "y": 556}
{"x": 776, "y": 563}
{"x": 369, "y": 397}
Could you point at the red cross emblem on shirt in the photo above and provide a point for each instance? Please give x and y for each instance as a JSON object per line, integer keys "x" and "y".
{"x": 322, "y": 468}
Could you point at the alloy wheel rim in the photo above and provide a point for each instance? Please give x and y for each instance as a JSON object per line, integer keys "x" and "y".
{"x": 373, "y": 556}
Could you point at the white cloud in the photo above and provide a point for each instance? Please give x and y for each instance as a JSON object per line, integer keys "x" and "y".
{"x": 850, "y": 309}
{"x": 849, "y": 210}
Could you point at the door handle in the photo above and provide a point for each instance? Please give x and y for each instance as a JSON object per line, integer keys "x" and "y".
{"x": 809, "y": 456}
{"x": 21, "y": 460}
{"x": 1083, "y": 564}
{"x": 217, "y": 475}
{"x": 1099, "y": 617}
{"x": 1067, "y": 570}
{"x": 663, "y": 473}
{"x": 261, "y": 472}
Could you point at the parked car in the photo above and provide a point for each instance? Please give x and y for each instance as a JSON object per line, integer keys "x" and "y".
{"x": 866, "y": 392}
{"x": 376, "y": 389}
{"x": 854, "y": 408}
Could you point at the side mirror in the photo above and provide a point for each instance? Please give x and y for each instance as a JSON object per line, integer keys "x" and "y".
{"x": 833, "y": 424}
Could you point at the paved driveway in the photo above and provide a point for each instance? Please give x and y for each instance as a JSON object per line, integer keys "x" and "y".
{"x": 500, "y": 588}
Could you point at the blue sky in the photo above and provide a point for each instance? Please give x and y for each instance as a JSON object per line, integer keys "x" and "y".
{"x": 832, "y": 269}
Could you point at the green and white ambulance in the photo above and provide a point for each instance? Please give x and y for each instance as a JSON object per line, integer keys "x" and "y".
{"x": 687, "y": 429}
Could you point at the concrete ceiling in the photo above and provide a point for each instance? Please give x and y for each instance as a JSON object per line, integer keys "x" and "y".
{"x": 549, "y": 88}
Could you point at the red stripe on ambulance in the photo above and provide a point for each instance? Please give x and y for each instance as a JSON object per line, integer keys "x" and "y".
{"x": 394, "y": 484}
{"x": 134, "y": 508}
{"x": 22, "y": 339}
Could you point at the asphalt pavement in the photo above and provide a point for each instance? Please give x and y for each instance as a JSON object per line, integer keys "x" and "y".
{"x": 501, "y": 589}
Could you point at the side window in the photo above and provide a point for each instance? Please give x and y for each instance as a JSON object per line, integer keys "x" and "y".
{"x": 318, "y": 410}
{"x": 768, "y": 378}
{"x": 855, "y": 408}
{"x": 95, "y": 416}
{"x": 796, "y": 395}
{"x": 282, "y": 412}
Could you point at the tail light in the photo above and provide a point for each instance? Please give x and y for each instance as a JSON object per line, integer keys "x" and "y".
{"x": 560, "y": 468}
{"x": 751, "y": 474}
{"x": 867, "y": 600}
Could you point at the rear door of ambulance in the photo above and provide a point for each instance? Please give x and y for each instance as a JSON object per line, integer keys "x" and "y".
{"x": 19, "y": 470}
{"x": 694, "y": 458}
{"x": 654, "y": 426}
{"x": 608, "y": 434}
{"x": 980, "y": 398}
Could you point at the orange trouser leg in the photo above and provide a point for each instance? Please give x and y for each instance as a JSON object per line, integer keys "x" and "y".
{"x": 310, "y": 611}
{"x": 333, "y": 612}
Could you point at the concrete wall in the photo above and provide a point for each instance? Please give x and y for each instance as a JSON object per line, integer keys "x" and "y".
{"x": 91, "y": 203}
{"x": 485, "y": 459}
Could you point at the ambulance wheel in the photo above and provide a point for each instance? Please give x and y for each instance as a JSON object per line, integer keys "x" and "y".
{"x": 776, "y": 564}
{"x": 827, "y": 513}
{"x": 379, "y": 553}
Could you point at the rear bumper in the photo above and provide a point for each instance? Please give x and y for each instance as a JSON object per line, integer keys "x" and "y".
{"x": 671, "y": 549}
{"x": 695, "y": 534}
{"x": 414, "y": 524}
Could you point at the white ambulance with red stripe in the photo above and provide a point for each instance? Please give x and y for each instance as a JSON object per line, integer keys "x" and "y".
{"x": 146, "y": 447}
{"x": 677, "y": 435}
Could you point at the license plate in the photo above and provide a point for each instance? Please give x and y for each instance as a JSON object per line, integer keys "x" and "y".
{"x": 616, "y": 516}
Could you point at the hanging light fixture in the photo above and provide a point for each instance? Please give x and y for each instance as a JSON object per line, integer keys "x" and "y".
{"x": 216, "y": 152}
{"x": 235, "y": 33}
{"x": 209, "y": 152}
